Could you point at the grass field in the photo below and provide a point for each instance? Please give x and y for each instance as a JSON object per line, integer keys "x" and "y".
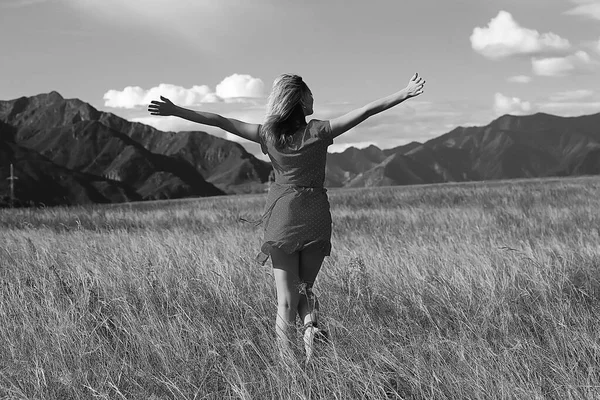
{"x": 457, "y": 291}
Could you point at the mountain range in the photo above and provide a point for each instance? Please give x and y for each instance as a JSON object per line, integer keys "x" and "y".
{"x": 66, "y": 152}
{"x": 509, "y": 147}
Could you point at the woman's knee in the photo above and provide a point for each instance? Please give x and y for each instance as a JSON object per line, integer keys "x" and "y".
{"x": 288, "y": 300}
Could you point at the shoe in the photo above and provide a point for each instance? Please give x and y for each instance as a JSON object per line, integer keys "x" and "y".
{"x": 313, "y": 334}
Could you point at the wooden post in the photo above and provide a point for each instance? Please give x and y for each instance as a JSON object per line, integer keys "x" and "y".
{"x": 12, "y": 185}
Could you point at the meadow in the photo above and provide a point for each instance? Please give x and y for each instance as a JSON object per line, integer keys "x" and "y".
{"x": 455, "y": 291}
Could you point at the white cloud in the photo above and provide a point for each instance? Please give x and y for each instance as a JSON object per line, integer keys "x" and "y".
{"x": 597, "y": 46}
{"x": 133, "y": 96}
{"x": 577, "y": 63}
{"x": 504, "y": 37}
{"x": 571, "y": 95}
{"x": 510, "y": 105}
{"x": 586, "y": 8}
{"x": 240, "y": 86}
{"x": 519, "y": 79}
{"x": 234, "y": 88}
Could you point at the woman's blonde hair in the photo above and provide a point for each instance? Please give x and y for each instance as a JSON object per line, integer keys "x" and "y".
{"x": 285, "y": 110}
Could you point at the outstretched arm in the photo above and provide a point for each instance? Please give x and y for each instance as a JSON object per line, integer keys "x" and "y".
{"x": 239, "y": 128}
{"x": 346, "y": 122}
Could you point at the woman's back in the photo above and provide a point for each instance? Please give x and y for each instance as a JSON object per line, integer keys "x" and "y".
{"x": 303, "y": 162}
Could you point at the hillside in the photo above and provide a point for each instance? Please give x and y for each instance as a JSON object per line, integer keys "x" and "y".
{"x": 510, "y": 147}
{"x": 49, "y": 138}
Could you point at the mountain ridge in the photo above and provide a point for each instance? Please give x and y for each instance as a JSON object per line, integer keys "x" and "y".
{"x": 509, "y": 147}
{"x": 78, "y": 140}
{"x": 93, "y": 156}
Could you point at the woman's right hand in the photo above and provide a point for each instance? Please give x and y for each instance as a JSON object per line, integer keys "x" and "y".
{"x": 415, "y": 86}
{"x": 164, "y": 108}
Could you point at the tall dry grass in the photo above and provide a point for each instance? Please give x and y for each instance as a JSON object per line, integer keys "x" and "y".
{"x": 464, "y": 291}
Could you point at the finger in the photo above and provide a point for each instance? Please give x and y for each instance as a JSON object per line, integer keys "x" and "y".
{"x": 157, "y": 102}
{"x": 165, "y": 99}
{"x": 416, "y": 76}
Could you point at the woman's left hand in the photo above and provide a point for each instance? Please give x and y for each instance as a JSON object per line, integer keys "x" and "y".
{"x": 164, "y": 107}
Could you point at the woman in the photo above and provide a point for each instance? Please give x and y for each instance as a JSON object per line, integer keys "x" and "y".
{"x": 297, "y": 221}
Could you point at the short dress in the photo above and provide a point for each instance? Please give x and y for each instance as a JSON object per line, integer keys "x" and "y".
{"x": 297, "y": 214}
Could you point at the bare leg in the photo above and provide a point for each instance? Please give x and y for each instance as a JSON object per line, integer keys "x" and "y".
{"x": 310, "y": 265}
{"x": 287, "y": 281}
{"x": 308, "y": 306}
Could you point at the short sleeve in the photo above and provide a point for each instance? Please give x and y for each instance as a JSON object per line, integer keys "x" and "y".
{"x": 323, "y": 131}
{"x": 263, "y": 146}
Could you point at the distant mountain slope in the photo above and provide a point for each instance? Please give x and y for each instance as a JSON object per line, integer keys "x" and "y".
{"x": 148, "y": 163}
{"x": 41, "y": 181}
{"x": 67, "y": 152}
{"x": 510, "y": 147}
{"x": 396, "y": 169}
{"x": 522, "y": 146}
{"x": 343, "y": 167}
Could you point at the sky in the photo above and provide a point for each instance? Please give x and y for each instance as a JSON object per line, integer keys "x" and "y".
{"x": 481, "y": 58}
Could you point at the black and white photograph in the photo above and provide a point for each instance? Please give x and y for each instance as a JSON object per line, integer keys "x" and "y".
{"x": 308, "y": 200}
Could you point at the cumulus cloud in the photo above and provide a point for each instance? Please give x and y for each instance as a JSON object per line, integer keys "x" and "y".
{"x": 234, "y": 88}
{"x": 504, "y": 37}
{"x": 577, "y": 63}
{"x": 133, "y": 96}
{"x": 585, "y": 8}
{"x": 519, "y": 79}
{"x": 510, "y": 105}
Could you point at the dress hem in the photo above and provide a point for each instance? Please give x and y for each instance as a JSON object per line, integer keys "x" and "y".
{"x": 289, "y": 248}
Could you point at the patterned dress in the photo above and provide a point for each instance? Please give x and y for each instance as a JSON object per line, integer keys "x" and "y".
{"x": 297, "y": 212}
